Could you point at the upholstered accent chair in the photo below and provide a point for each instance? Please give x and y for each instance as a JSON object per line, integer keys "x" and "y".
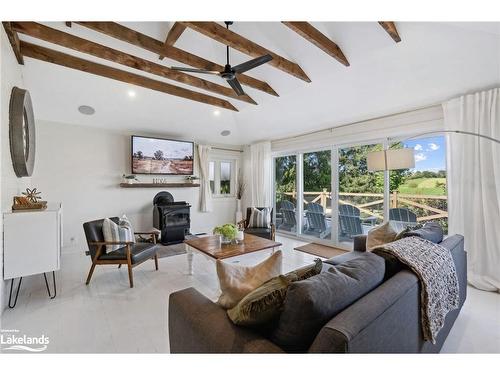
{"x": 268, "y": 233}
{"x": 131, "y": 254}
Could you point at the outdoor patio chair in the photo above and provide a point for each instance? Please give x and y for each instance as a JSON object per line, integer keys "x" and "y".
{"x": 400, "y": 218}
{"x": 289, "y": 219}
{"x": 316, "y": 220}
{"x": 349, "y": 221}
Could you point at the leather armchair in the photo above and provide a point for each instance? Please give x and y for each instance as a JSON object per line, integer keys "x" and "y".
{"x": 269, "y": 233}
{"x": 131, "y": 254}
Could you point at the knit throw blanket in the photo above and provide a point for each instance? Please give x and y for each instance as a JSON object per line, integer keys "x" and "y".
{"x": 436, "y": 271}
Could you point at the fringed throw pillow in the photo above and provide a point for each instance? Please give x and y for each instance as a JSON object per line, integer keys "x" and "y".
{"x": 265, "y": 304}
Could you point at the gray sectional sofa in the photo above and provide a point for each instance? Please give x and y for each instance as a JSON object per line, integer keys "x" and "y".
{"x": 385, "y": 320}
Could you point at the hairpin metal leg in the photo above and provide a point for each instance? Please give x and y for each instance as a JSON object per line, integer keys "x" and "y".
{"x": 17, "y": 292}
{"x": 47, "y": 284}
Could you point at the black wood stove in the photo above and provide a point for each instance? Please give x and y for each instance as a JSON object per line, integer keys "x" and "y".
{"x": 171, "y": 218}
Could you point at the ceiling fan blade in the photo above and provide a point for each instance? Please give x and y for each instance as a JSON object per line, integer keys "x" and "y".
{"x": 193, "y": 70}
{"x": 235, "y": 85}
{"x": 250, "y": 64}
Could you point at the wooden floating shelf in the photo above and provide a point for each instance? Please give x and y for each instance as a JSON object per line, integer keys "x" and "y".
{"x": 167, "y": 184}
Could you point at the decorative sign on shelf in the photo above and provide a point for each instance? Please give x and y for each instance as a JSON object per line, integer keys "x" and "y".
{"x": 31, "y": 200}
{"x": 160, "y": 180}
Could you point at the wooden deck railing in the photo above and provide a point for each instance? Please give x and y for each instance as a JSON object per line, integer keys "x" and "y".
{"x": 419, "y": 202}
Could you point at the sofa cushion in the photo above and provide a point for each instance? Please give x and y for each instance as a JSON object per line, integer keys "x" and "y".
{"x": 311, "y": 303}
{"x": 265, "y": 303}
{"x": 237, "y": 281}
{"x": 139, "y": 252}
{"x": 431, "y": 231}
{"x": 339, "y": 259}
{"x": 260, "y": 232}
{"x": 380, "y": 235}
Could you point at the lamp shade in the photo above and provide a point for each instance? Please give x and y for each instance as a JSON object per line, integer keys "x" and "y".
{"x": 402, "y": 158}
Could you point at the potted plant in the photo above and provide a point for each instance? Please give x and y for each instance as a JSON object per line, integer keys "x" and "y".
{"x": 192, "y": 179}
{"x": 240, "y": 190}
{"x": 129, "y": 178}
{"x": 228, "y": 232}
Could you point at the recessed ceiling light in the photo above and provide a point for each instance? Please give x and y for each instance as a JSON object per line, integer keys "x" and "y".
{"x": 216, "y": 112}
{"x": 225, "y": 133}
{"x": 131, "y": 93}
{"x": 86, "y": 110}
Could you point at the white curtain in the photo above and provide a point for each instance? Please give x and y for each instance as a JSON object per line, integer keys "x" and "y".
{"x": 259, "y": 176}
{"x": 474, "y": 183}
{"x": 205, "y": 199}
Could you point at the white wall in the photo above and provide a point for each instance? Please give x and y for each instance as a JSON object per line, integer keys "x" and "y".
{"x": 10, "y": 185}
{"x": 399, "y": 125}
{"x": 82, "y": 166}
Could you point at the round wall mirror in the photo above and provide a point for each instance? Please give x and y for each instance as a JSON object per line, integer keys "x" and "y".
{"x": 22, "y": 132}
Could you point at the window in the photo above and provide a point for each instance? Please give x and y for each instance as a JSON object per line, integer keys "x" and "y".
{"x": 222, "y": 177}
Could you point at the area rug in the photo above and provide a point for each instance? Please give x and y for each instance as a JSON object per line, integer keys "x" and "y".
{"x": 321, "y": 250}
{"x": 165, "y": 251}
{"x": 171, "y": 250}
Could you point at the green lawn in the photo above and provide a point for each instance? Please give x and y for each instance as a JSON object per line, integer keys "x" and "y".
{"x": 425, "y": 186}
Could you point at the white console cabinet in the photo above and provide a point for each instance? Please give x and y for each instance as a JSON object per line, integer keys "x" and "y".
{"x": 32, "y": 243}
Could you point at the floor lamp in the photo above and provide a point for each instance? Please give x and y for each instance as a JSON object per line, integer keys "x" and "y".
{"x": 404, "y": 158}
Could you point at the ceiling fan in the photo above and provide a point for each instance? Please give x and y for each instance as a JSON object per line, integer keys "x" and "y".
{"x": 229, "y": 72}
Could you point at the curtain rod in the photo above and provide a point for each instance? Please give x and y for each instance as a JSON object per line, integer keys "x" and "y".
{"x": 226, "y": 149}
{"x": 355, "y": 123}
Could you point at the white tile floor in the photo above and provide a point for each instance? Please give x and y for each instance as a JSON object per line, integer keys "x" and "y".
{"x": 108, "y": 317}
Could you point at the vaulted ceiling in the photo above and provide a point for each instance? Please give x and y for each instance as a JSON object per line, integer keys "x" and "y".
{"x": 321, "y": 75}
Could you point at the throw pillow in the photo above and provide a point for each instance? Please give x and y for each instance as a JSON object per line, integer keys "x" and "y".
{"x": 265, "y": 303}
{"x": 380, "y": 235}
{"x": 121, "y": 232}
{"x": 260, "y": 218}
{"x": 431, "y": 231}
{"x": 409, "y": 228}
{"x": 311, "y": 303}
{"x": 237, "y": 281}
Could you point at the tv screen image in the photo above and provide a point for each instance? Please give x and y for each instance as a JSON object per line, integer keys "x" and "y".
{"x": 161, "y": 156}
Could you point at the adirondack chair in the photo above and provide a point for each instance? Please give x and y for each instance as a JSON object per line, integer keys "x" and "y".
{"x": 316, "y": 221}
{"x": 400, "y": 218}
{"x": 288, "y": 213}
{"x": 349, "y": 221}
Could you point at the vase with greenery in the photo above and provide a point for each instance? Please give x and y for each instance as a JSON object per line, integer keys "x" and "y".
{"x": 228, "y": 232}
{"x": 240, "y": 190}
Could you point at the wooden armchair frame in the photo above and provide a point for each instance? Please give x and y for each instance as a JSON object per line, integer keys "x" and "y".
{"x": 127, "y": 261}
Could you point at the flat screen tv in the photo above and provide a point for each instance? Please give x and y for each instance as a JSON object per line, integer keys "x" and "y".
{"x": 161, "y": 156}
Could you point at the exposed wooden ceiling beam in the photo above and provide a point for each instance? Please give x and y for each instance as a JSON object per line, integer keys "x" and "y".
{"x": 174, "y": 34}
{"x": 320, "y": 40}
{"x": 136, "y": 38}
{"x": 221, "y": 34}
{"x": 14, "y": 41}
{"x": 61, "y": 38}
{"x": 390, "y": 27}
{"x": 59, "y": 58}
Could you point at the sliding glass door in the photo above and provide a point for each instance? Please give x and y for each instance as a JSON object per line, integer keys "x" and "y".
{"x": 329, "y": 196}
{"x": 317, "y": 194}
{"x": 361, "y": 193}
{"x": 285, "y": 191}
{"x": 419, "y": 195}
